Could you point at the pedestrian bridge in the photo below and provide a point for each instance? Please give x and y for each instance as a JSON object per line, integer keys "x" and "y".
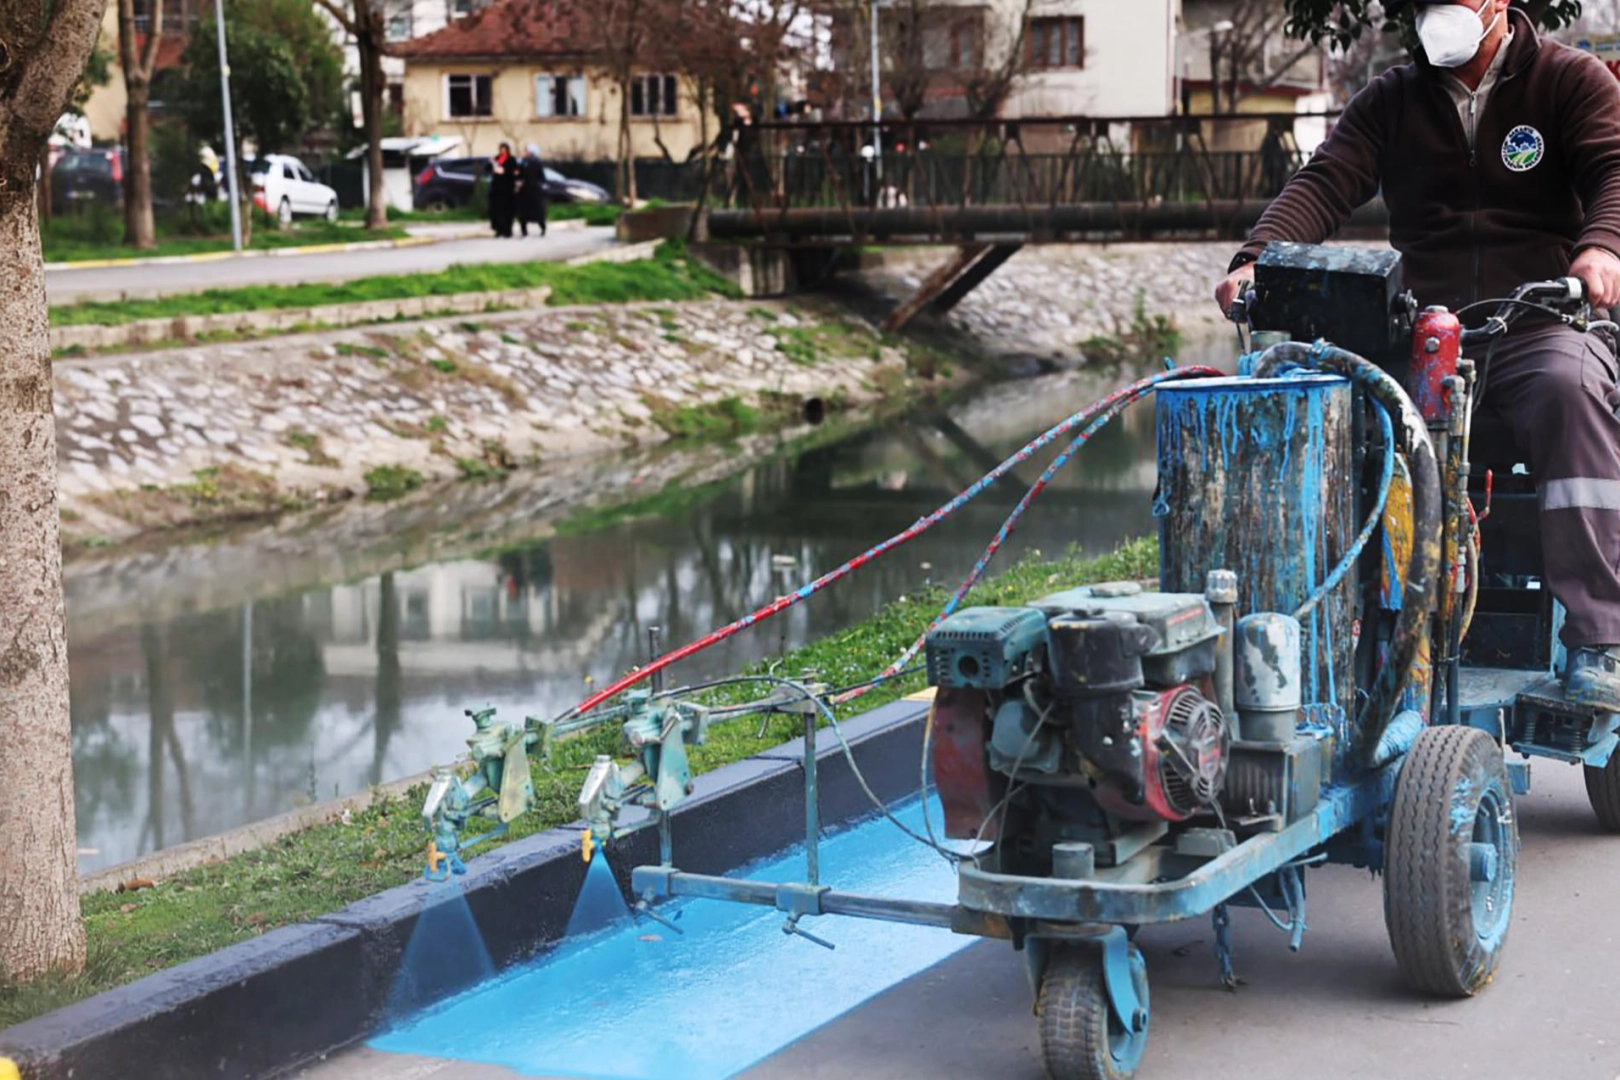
{"x": 989, "y": 188}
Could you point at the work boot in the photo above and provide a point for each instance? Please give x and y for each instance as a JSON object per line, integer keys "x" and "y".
{"x": 1593, "y": 677}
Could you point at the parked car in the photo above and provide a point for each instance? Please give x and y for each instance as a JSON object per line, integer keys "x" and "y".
{"x": 449, "y": 182}
{"x": 283, "y": 187}
{"x": 88, "y": 177}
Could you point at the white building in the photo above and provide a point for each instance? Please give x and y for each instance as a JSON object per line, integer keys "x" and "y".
{"x": 1098, "y": 58}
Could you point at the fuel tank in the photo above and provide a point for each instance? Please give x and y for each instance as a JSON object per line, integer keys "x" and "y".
{"x": 1257, "y": 476}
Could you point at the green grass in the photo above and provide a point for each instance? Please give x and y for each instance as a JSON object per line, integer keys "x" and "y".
{"x": 347, "y": 348}
{"x": 590, "y": 213}
{"x": 391, "y": 481}
{"x": 710, "y": 420}
{"x": 69, "y": 238}
{"x": 807, "y": 345}
{"x": 668, "y": 276}
{"x": 322, "y": 869}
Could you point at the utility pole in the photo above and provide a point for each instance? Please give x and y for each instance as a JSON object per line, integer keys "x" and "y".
{"x": 230, "y": 128}
{"x": 877, "y": 98}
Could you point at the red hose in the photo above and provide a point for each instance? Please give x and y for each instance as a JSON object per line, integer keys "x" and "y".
{"x": 1110, "y": 403}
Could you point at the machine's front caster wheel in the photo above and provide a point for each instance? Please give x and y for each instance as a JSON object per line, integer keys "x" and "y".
{"x": 1081, "y": 1038}
{"x": 1603, "y": 792}
{"x": 1450, "y": 860}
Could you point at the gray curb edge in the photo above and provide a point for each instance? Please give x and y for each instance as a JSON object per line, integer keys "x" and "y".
{"x": 262, "y": 1007}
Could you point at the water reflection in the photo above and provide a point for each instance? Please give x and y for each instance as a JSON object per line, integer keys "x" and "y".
{"x": 196, "y": 722}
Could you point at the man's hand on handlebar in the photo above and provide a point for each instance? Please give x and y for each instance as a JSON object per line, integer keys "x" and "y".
{"x": 1234, "y": 285}
{"x": 1600, "y": 269}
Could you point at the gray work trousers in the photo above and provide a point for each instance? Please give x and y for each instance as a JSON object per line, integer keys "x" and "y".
{"x": 1556, "y": 389}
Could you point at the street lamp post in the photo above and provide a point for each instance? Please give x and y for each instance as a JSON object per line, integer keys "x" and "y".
{"x": 877, "y": 98}
{"x": 230, "y": 131}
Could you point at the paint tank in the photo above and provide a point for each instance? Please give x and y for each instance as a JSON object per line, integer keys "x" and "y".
{"x": 1256, "y": 476}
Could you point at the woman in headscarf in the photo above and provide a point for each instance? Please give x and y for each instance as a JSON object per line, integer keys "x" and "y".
{"x": 532, "y": 191}
{"x": 503, "y": 176}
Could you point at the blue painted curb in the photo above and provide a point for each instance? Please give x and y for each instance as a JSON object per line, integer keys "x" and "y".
{"x": 263, "y": 1007}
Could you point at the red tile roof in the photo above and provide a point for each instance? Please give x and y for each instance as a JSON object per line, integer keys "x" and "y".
{"x": 507, "y": 28}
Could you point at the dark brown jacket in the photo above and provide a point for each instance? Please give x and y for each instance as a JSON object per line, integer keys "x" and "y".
{"x": 1468, "y": 225}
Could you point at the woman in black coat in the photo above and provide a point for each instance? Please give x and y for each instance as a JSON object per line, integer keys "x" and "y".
{"x": 531, "y": 199}
{"x": 503, "y": 170}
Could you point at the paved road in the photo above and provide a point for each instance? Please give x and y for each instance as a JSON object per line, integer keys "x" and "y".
{"x": 1335, "y": 1011}
{"x": 109, "y": 283}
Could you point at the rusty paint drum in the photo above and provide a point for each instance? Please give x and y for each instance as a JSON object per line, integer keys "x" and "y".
{"x": 1257, "y": 476}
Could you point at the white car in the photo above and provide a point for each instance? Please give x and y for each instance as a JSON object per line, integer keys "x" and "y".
{"x": 283, "y": 187}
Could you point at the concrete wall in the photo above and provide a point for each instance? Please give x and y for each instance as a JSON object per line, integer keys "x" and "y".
{"x": 591, "y": 137}
{"x": 1129, "y": 61}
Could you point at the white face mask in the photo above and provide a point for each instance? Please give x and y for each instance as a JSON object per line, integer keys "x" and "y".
{"x": 1451, "y": 33}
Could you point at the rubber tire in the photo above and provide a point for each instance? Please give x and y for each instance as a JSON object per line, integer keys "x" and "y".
{"x": 1074, "y": 1016}
{"x": 1603, "y": 792}
{"x": 284, "y": 214}
{"x": 1428, "y": 897}
{"x": 332, "y": 212}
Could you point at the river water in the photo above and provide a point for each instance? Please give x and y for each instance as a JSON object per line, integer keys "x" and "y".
{"x": 227, "y": 683}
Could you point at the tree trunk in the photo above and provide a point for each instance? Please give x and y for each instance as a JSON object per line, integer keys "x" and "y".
{"x": 139, "y": 230}
{"x": 371, "y": 109}
{"x": 45, "y": 182}
{"x": 39, "y": 896}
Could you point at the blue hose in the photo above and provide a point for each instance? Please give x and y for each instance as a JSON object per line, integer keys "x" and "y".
{"x": 1332, "y": 580}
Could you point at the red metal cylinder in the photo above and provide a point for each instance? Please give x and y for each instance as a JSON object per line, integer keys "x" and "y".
{"x": 1436, "y": 345}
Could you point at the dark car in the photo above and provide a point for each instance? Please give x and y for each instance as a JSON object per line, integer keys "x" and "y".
{"x": 88, "y": 178}
{"x": 447, "y": 183}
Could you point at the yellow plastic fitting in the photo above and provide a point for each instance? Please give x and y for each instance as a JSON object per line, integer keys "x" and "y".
{"x": 587, "y": 848}
{"x": 434, "y": 861}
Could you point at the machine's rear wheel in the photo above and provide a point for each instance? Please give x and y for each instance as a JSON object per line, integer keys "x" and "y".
{"x": 1081, "y": 1038}
{"x": 1603, "y": 791}
{"x": 1450, "y": 860}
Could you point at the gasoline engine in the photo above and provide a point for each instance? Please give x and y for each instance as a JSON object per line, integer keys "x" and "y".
{"x": 1084, "y": 726}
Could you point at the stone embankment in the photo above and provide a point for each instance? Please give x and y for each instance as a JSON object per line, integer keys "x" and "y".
{"x": 222, "y": 431}
{"x": 210, "y": 432}
{"x": 1049, "y": 300}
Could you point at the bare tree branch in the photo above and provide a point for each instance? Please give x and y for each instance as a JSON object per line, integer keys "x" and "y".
{"x": 36, "y": 82}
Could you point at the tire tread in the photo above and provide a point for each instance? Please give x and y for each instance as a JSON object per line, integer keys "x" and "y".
{"x": 1073, "y": 1011}
{"x": 1427, "y": 895}
{"x": 1603, "y": 792}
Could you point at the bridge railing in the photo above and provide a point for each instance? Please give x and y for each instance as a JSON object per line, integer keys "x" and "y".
{"x": 1027, "y": 164}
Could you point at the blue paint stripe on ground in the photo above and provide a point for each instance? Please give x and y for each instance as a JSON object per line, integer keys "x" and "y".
{"x": 642, "y": 1003}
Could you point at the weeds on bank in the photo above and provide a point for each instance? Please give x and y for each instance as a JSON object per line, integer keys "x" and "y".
{"x": 1145, "y": 339}
{"x": 317, "y": 871}
{"x": 709, "y": 420}
{"x": 387, "y": 482}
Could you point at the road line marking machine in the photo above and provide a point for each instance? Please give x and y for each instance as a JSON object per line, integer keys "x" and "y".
{"x": 1349, "y": 638}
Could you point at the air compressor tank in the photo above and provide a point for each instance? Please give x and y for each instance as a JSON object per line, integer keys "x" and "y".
{"x": 1257, "y": 476}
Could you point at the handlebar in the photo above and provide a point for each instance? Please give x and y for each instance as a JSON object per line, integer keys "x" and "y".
{"x": 1565, "y": 298}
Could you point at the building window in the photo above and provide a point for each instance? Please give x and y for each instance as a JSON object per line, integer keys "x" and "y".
{"x": 653, "y": 95}
{"x": 467, "y": 96}
{"x": 559, "y": 95}
{"x": 401, "y": 26}
{"x": 964, "y": 46}
{"x": 1057, "y": 43}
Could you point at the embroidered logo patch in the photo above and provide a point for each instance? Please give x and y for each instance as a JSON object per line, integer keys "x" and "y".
{"x": 1523, "y": 148}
